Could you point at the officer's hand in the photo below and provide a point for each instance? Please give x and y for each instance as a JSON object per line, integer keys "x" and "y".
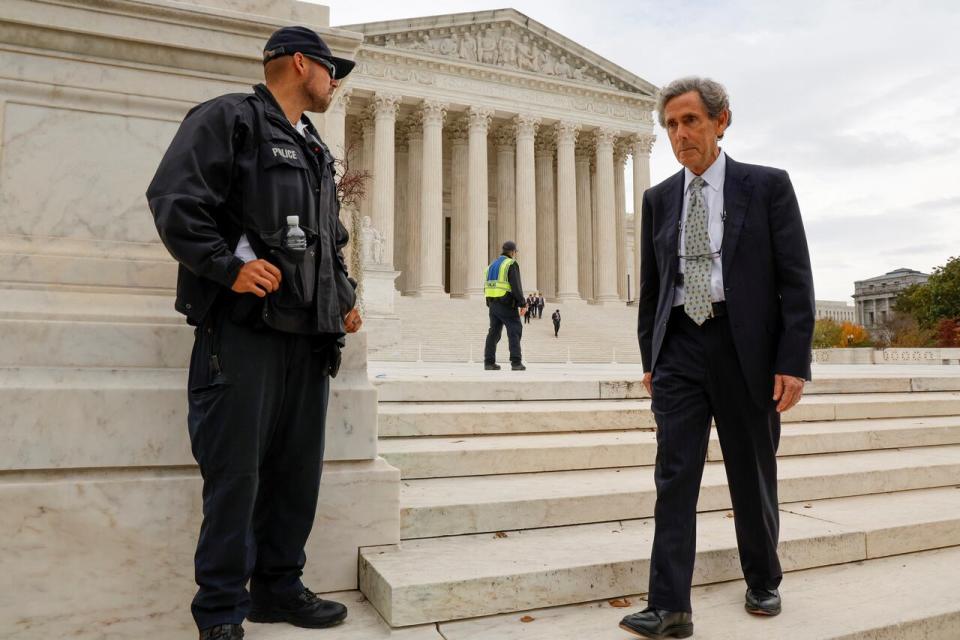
{"x": 258, "y": 277}
{"x": 352, "y": 321}
{"x": 648, "y": 382}
{"x": 787, "y": 391}
{"x": 523, "y": 311}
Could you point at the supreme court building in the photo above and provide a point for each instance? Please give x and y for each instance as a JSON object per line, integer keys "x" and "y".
{"x": 482, "y": 127}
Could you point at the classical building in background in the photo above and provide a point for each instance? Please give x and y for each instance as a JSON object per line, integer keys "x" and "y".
{"x": 836, "y": 310}
{"x": 488, "y": 126}
{"x": 874, "y": 297}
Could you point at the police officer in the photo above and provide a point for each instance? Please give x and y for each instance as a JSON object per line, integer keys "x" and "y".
{"x": 271, "y": 306}
{"x": 504, "y": 295}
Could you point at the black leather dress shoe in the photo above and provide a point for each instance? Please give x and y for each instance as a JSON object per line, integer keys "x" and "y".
{"x": 761, "y": 602}
{"x": 302, "y": 610}
{"x": 657, "y": 623}
{"x": 491, "y": 367}
{"x": 222, "y": 632}
{"x": 518, "y": 367}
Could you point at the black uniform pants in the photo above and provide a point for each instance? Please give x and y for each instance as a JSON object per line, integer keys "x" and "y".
{"x": 697, "y": 376}
{"x": 257, "y": 407}
{"x": 502, "y": 315}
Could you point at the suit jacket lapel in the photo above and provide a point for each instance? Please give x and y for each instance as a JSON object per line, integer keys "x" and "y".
{"x": 737, "y": 189}
{"x": 672, "y": 208}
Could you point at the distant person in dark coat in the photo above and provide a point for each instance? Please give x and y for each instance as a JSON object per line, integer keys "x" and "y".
{"x": 526, "y": 316}
{"x": 556, "y": 323}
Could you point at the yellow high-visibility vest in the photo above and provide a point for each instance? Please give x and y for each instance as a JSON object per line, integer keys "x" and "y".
{"x": 497, "y": 284}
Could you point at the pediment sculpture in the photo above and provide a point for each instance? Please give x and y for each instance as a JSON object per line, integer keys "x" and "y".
{"x": 502, "y": 45}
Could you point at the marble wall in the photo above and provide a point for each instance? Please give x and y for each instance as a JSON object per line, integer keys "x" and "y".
{"x": 98, "y": 487}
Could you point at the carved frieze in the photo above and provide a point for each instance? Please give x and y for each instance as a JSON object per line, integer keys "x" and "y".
{"x": 502, "y": 44}
{"x": 461, "y": 83}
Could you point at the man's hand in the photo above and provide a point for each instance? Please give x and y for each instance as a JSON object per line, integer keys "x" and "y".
{"x": 523, "y": 311}
{"x": 258, "y": 277}
{"x": 787, "y": 391}
{"x": 352, "y": 321}
{"x": 648, "y": 382}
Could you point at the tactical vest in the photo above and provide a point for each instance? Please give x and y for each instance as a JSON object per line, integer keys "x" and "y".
{"x": 497, "y": 284}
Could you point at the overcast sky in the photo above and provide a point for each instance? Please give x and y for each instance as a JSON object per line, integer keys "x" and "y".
{"x": 859, "y": 101}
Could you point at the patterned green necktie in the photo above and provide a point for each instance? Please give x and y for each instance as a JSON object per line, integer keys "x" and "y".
{"x": 697, "y": 266}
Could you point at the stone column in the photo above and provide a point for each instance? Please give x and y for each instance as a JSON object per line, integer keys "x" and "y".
{"x": 334, "y": 124}
{"x": 606, "y": 219}
{"x": 642, "y": 146}
{"x": 401, "y": 210}
{"x": 505, "y": 139}
{"x": 583, "y": 151}
{"x": 595, "y": 270}
{"x": 365, "y": 126}
{"x": 567, "y": 246}
{"x": 459, "y": 158}
{"x": 478, "y": 209}
{"x": 414, "y": 128}
{"x": 526, "y": 201}
{"x": 385, "y": 117}
{"x": 546, "y": 215}
{"x": 431, "y": 205}
{"x": 620, "y": 151}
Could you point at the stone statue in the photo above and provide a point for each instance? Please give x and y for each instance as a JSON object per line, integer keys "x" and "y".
{"x": 468, "y": 48}
{"x": 488, "y": 48}
{"x": 508, "y": 52}
{"x": 371, "y": 244}
{"x": 448, "y": 46}
{"x": 526, "y": 55}
{"x": 563, "y": 69}
{"x": 424, "y": 44}
{"x": 580, "y": 73}
{"x": 545, "y": 63}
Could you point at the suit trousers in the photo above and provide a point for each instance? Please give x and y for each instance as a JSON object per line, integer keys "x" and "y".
{"x": 257, "y": 407}
{"x": 503, "y": 315}
{"x": 698, "y": 377}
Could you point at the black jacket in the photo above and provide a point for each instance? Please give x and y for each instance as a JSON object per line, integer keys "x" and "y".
{"x": 767, "y": 278}
{"x": 238, "y": 166}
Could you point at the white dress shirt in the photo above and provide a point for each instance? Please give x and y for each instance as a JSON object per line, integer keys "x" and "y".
{"x": 713, "y": 198}
{"x": 244, "y": 251}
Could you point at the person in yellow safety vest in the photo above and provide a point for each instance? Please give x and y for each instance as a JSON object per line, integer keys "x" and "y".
{"x": 504, "y": 296}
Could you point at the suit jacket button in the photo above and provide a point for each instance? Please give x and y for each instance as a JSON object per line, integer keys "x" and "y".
{"x": 189, "y": 306}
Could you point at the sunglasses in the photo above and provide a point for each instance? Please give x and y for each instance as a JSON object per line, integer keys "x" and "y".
{"x": 326, "y": 64}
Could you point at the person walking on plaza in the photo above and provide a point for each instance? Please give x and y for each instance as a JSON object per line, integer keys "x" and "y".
{"x": 725, "y": 325}
{"x": 245, "y": 200}
{"x": 541, "y": 303}
{"x": 504, "y": 296}
{"x": 556, "y": 323}
{"x": 526, "y": 316}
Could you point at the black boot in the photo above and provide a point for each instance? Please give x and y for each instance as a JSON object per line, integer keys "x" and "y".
{"x": 222, "y": 632}
{"x": 658, "y": 623}
{"x": 491, "y": 367}
{"x": 302, "y": 610}
{"x": 761, "y": 602}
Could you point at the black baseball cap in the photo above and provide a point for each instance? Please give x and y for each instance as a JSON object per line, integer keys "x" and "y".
{"x": 290, "y": 40}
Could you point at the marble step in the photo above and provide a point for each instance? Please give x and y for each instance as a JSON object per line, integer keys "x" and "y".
{"x": 132, "y": 417}
{"x": 504, "y": 386}
{"x": 453, "y": 506}
{"x": 439, "y": 457}
{"x": 88, "y": 306}
{"x": 62, "y": 343}
{"x": 399, "y": 419}
{"x": 460, "y": 577}
{"x": 905, "y": 597}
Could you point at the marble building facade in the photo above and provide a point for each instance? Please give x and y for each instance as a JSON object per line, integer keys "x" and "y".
{"x": 482, "y": 127}
{"x": 875, "y": 297}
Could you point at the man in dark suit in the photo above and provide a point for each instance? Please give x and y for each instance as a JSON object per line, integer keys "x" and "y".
{"x": 726, "y": 315}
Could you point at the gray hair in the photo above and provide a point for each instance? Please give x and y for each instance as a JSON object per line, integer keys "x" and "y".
{"x": 712, "y": 93}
